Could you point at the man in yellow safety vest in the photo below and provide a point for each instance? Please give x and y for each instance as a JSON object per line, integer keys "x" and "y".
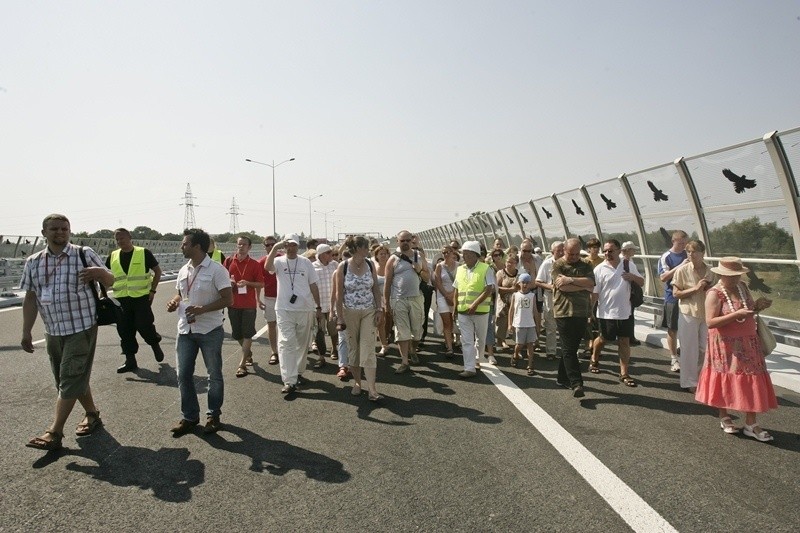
{"x": 136, "y": 276}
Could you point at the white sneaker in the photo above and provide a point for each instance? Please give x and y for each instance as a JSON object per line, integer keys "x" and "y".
{"x": 492, "y": 360}
{"x": 676, "y": 366}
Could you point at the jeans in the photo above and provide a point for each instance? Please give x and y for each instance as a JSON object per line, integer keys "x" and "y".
{"x": 571, "y": 331}
{"x": 210, "y": 345}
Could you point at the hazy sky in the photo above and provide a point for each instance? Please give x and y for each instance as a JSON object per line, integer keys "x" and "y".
{"x": 402, "y": 114}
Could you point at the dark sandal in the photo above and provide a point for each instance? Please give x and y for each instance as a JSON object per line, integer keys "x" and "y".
{"x": 531, "y": 371}
{"x": 241, "y": 371}
{"x": 87, "y": 428}
{"x": 627, "y": 380}
{"x": 273, "y": 360}
{"x": 320, "y": 364}
{"x": 40, "y": 444}
{"x": 594, "y": 368}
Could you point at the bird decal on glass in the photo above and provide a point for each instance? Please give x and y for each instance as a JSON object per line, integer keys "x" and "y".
{"x": 609, "y": 203}
{"x": 547, "y": 213}
{"x": 578, "y": 209}
{"x": 658, "y": 194}
{"x": 740, "y": 183}
{"x": 756, "y": 283}
{"x": 509, "y": 219}
{"x": 497, "y": 220}
{"x": 666, "y": 236}
{"x": 524, "y": 220}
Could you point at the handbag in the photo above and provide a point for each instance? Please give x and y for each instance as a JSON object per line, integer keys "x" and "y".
{"x": 765, "y": 336}
{"x": 637, "y": 293}
{"x": 109, "y": 310}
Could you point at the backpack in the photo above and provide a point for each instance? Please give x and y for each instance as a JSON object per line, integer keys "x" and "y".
{"x": 369, "y": 264}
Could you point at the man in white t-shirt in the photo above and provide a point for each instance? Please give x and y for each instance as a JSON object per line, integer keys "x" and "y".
{"x": 544, "y": 281}
{"x": 297, "y": 299}
{"x": 612, "y": 292}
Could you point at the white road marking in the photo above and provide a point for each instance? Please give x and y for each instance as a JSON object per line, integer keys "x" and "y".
{"x": 636, "y": 512}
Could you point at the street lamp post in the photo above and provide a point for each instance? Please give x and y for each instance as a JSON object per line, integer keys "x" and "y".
{"x": 325, "y": 214}
{"x": 309, "y": 198}
{"x": 272, "y": 166}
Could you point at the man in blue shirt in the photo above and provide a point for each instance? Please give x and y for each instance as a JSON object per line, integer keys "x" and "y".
{"x": 667, "y": 264}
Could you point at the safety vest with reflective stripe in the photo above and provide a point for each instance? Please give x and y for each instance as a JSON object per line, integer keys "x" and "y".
{"x": 470, "y": 286}
{"x": 137, "y": 281}
{"x": 216, "y": 255}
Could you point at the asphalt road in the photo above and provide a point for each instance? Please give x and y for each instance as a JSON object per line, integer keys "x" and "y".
{"x": 437, "y": 454}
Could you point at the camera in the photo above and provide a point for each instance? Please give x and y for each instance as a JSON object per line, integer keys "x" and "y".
{"x": 293, "y": 299}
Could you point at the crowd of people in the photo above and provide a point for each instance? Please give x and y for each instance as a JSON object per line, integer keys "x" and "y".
{"x": 364, "y": 297}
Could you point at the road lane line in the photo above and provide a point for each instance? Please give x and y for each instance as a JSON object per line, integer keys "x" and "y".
{"x": 636, "y": 512}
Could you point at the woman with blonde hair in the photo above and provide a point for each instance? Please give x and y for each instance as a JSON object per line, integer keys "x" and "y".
{"x": 735, "y": 375}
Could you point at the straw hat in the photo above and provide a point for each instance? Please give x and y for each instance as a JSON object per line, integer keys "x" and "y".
{"x": 730, "y": 266}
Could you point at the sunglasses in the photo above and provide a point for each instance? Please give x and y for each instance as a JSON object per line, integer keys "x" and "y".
{"x": 404, "y": 240}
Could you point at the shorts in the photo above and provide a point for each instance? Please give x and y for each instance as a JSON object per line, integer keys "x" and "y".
{"x": 243, "y": 323}
{"x": 525, "y": 335}
{"x": 670, "y": 318}
{"x": 269, "y": 309}
{"x": 611, "y": 329}
{"x": 408, "y": 316}
{"x": 71, "y": 358}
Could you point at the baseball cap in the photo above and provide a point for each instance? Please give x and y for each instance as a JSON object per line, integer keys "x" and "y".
{"x": 471, "y": 246}
{"x": 293, "y": 238}
{"x": 524, "y": 278}
{"x": 628, "y": 245}
{"x": 322, "y": 248}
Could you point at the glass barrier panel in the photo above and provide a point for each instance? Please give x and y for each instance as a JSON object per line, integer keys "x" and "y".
{"x": 622, "y": 230}
{"x": 529, "y": 224}
{"x": 658, "y": 190}
{"x": 779, "y": 283}
{"x": 609, "y": 201}
{"x": 739, "y": 175}
{"x": 658, "y": 231}
{"x": 551, "y": 222}
{"x": 760, "y": 232}
{"x": 577, "y": 214}
{"x": 514, "y": 231}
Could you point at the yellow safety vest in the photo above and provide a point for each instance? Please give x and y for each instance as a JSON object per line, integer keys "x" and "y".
{"x": 137, "y": 281}
{"x": 216, "y": 255}
{"x": 471, "y": 286}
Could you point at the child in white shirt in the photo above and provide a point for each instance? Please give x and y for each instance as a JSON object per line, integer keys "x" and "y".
{"x": 521, "y": 317}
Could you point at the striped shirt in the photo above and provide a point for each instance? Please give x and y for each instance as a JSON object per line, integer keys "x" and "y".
{"x": 73, "y": 306}
{"x": 325, "y": 283}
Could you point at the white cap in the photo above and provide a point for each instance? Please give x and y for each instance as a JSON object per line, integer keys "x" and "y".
{"x": 293, "y": 238}
{"x": 322, "y": 248}
{"x": 628, "y": 245}
{"x": 471, "y": 246}
{"x": 537, "y": 250}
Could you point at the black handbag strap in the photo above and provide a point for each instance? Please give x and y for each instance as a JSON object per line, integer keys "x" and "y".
{"x": 94, "y": 283}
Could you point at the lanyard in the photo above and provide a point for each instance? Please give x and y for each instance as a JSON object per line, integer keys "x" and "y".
{"x": 47, "y": 272}
{"x": 190, "y": 282}
{"x": 235, "y": 263}
{"x": 292, "y": 273}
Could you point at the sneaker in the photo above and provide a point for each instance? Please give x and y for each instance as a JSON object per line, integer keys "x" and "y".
{"x": 183, "y": 427}
{"x": 212, "y": 425}
{"x": 492, "y": 360}
{"x": 402, "y": 369}
{"x": 288, "y": 389}
{"x": 467, "y": 374}
{"x": 676, "y": 366}
{"x": 577, "y": 392}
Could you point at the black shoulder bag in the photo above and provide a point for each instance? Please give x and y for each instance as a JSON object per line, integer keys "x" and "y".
{"x": 109, "y": 310}
{"x": 637, "y": 294}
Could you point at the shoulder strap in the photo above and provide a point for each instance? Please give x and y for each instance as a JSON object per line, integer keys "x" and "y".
{"x": 404, "y": 258}
{"x": 625, "y": 265}
{"x": 93, "y": 284}
{"x": 346, "y": 263}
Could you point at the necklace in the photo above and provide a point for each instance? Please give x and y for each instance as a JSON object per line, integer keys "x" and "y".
{"x": 741, "y": 298}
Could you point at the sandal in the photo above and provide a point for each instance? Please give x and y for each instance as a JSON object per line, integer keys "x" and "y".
{"x": 241, "y": 371}
{"x": 594, "y": 367}
{"x": 92, "y": 423}
{"x": 757, "y": 433}
{"x": 727, "y": 425}
{"x": 627, "y": 380}
{"x": 249, "y": 360}
{"x": 375, "y": 398}
{"x": 514, "y": 361}
{"x": 531, "y": 371}
{"x": 273, "y": 360}
{"x": 320, "y": 363}
{"x": 53, "y": 444}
